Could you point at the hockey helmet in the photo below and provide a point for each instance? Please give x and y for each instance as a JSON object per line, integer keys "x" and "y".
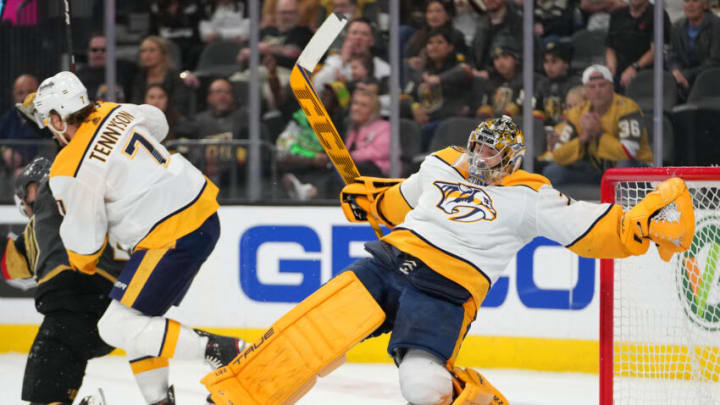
{"x": 63, "y": 93}
{"x": 495, "y": 149}
{"x": 36, "y": 171}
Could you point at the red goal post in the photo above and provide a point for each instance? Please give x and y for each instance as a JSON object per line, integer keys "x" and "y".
{"x": 660, "y": 322}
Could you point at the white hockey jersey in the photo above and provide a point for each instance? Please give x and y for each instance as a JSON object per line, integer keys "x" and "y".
{"x": 115, "y": 180}
{"x": 469, "y": 233}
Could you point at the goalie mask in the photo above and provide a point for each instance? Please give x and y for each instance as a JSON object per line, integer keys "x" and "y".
{"x": 64, "y": 94}
{"x": 494, "y": 150}
{"x": 36, "y": 171}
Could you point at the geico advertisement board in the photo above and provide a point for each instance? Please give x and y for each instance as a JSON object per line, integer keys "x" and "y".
{"x": 269, "y": 258}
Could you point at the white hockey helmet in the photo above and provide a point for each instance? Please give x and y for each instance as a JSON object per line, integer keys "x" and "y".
{"x": 63, "y": 93}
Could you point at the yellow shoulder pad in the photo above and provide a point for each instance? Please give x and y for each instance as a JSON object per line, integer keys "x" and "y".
{"x": 450, "y": 154}
{"x": 523, "y": 178}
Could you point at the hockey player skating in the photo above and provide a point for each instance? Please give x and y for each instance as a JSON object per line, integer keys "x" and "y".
{"x": 114, "y": 180}
{"x": 71, "y": 302}
{"x": 457, "y": 223}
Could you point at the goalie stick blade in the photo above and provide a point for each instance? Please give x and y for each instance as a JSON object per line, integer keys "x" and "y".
{"x": 321, "y": 41}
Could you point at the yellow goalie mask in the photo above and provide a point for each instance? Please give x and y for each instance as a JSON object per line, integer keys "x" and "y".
{"x": 494, "y": 150}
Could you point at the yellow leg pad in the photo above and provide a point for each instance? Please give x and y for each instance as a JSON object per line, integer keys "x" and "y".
{"x": 471, "y": 388}
{"x": 309, "y": 340}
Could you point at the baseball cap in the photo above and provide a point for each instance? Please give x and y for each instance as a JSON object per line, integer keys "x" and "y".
{"x": 559, "y": 50}
{"x": 593, "y": 71}
{"x": 504, "y": 45}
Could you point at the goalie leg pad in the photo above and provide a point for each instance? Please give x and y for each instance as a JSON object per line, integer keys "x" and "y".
{"x": 299, "y": 346}
{"x": 471, "y": 388}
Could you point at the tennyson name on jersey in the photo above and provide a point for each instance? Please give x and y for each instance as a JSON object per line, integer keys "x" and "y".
{"x": 109, "y": 135}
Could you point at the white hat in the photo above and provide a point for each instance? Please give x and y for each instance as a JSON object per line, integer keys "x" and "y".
{"x": 596, "y": 69}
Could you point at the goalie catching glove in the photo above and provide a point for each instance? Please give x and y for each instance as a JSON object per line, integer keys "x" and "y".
{"x": 361, "y": 197}
{"x": 666, "y": 216}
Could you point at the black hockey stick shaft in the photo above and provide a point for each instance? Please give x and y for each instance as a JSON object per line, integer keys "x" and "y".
{"x": 68, "y": 35}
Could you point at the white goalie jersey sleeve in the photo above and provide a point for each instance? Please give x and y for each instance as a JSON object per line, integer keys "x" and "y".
{"x": 562, "y": 219}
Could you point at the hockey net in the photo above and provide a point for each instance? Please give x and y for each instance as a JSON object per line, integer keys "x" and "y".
{"x": 660, "y": 321}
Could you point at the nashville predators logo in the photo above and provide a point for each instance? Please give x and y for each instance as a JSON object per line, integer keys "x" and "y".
{"x": 465, "y": 203}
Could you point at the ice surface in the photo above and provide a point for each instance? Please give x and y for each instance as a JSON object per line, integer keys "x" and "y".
{"x": 351, "y": 384}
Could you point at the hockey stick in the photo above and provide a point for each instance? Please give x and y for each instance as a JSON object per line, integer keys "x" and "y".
{"x": 317, "y": 115}
{"x": 68, "y": 35}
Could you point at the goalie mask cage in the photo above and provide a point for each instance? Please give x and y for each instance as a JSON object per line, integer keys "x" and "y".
{"x": 660, "y": 321}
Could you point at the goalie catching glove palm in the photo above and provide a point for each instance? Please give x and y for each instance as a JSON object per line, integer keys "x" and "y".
{"x": 361, "y": 197}
{"x": 666, "y": 216}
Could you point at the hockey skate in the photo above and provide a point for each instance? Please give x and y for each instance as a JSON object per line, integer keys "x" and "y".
{"x": 98, "y": 399}
{"x": 220, "y": 350}
{"x": 170, "y": 399}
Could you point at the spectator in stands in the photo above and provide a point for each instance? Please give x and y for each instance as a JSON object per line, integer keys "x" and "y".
{"x": 221, "y": 116}
{"x": 362, "y": 74}
{"x": 596, "y": 13}
{"x": 301, "y": 156}
{"x": 93, "y": 74}
{"x": 552, "y": 92}
{"x": 438, "y": 14}
{"x": 285, "y": 39}
{"x": 501, "y": 19}
{"x": 226, "y": 21}
{"x": 358, "y": 44}
{"x": 695, "y": 43}
{"x": 432, "y": 93}
{"x": 630, "y": 40}
{"x": 554, "y": 19}
{"x": 178, "y": 126}
{"x": 16, "y": 126}
{"x": 178, "y": 21}
{"x": 468, "y": 14}
{"x": 308, "y": 11}
{"x": 412, "y": 19}
{"x": 156, "y": 68}
{"x": 222, "y": 121}
{"x": 607, "y": 131}
{"x": 369, "y": 137}
{"x": 575, "y": 97}
{"x": 505, "y": 85}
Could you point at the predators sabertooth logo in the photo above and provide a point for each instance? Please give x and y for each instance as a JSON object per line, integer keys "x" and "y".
{"x": 465, "y": 203}
{"x": 698, "y": 276}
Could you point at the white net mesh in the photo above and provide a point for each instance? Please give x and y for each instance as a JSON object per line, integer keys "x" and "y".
{"x": 666, "y": 340}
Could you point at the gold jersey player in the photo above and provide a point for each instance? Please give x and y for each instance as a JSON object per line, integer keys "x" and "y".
{"x": 456, "y": 224}
{"x": 113, "y": 180}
